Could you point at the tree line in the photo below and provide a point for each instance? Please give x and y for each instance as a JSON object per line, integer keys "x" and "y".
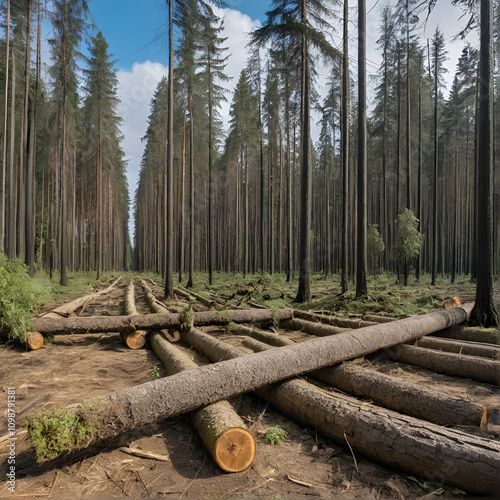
{"x": 267, "y": 198}
{"x": 64, "y": 195}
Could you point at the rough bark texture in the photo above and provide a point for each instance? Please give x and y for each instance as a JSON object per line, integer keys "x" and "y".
{"x": 136, "y": 339}
{"x": 154, "y": 304}
{"x": 223, "y": 432}
{"x": 101, "y": 324}
{"x": 434, "y": 452}
{"x": 398, "y": 395}
{"x": 458, "y": 365}
{"x": 118, "y": 412}
{"x": 488, "y": 335}
{"x": 378, "y": 319}
{"x": 469, "y": 348}
{"x": 342, "y": 322}
{"x": 274, "y": 339}
{"x": 311, "y": 328}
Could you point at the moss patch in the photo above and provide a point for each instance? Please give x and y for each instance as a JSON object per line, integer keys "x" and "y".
{"x": 55, "y": 433}
{"x": 185, "y": 320}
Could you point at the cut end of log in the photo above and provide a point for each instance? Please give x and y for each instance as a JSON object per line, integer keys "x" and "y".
{"x": 35, "y": 341}
{"x": 234, "y": 450}
{"x": 135, "y": 340}
{"x": 484, "y": 418}
{"x": 450, "y": 303}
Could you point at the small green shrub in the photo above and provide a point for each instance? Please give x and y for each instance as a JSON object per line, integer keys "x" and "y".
{"x": 276, "y": 435}
{"x": 53, "y": 434}
{"x": 155, "y": 373}
{"x": 18, "y": 297}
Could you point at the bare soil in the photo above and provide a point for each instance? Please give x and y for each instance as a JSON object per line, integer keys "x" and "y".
{"x": 70, "y": 369}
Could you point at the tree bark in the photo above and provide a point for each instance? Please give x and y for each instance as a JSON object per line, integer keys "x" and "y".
{"x": 484, "y": 313}
{"x": 398, "y": 395}
{"x": 312, "y": 328}
{"x": 222, "y": 431}
{"x": 4, "y": 143}
{"x": 332, "y": 320}
{"x": 458, "y": 365}
{"x": 490, "y": 335}
{"x": 469, "y": 348}
{"x": 102, "y": 324}
{"x": 109, "y": 416}
{"x": 137, "y": 339}
{"x": 378, "y": 433}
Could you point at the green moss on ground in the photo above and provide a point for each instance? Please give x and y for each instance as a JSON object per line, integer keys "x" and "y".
{"x": 53, "y": 434}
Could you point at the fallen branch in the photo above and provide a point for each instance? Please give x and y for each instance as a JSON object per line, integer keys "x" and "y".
{"x": 136, "y": 452}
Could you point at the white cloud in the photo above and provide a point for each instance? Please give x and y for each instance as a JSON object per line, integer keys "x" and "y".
{"x": 135, "y": 91}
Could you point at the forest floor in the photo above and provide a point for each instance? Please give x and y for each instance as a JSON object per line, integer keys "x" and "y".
{"x": 70, "y": 369}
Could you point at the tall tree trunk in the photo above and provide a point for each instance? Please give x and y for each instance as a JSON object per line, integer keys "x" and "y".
{"x": 435, "y": 180}
{"x": 408, "y": 123}
{"x": 420, "y": 164}
{"x": 304, "y": 291}
{"x": 362, "y": 264}
{"x": 12, "y": 168}
{"x": 4, "y": 145}
{"x": 62, "y": 161}
{"x": 183, "y": 202}
{"x": 169, "y": 176}
{"x": 210, "y": 179}
{"x": 345, "y": 148}
{"x": 484, "y": 312}
{"x": 191, "y": 192}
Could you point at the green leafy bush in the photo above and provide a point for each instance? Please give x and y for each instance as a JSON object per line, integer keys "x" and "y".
{"x": 276, "y": 435}
{"x": 18, "y": 297}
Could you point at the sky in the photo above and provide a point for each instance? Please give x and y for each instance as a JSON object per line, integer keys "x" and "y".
{"x": 135, "y": 32}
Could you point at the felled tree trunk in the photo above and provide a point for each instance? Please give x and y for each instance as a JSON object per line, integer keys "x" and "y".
{"x": 108, "y": 416}
{"x": 154, "y": 304}
{"x": 317, "y": 329}
{"x": 222, "y": 431}
{"x": 404, "y": 397}
{"x": 332, "y": 320}
{"x": 420, "y": 447}
{"x": 458, "y": 365}
{"x": 125, "y": 324}
{"x": 137, "y": 339}
{"x": 488, "y": 335}
{"x": 469, "y": 348}
{"x": 66, "y": 309}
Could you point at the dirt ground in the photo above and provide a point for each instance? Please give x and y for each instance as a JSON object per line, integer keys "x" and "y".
{"x": 70, "y": 369}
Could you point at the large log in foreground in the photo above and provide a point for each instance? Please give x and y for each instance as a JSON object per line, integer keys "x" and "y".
{"x": 105, "y": 417}
{"x": 432, "y": 451}
{"x": 222, "y": 431}
{"x": 399, "y": 395}
{"x": 125, "y": 324}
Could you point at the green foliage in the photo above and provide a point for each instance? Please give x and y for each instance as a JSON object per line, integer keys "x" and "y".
{"x": 185, "y": 320}
{"x": 53, "y": 434}
{"x": 155, "y": 373}
{"x": 276, "y": 435}
{"x": 374, "y": 240}
{"x": 408, "y": 239}
{"x": 18, "y": 297}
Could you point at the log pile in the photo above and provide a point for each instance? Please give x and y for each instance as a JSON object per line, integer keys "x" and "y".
{"x": 416, "y": 441}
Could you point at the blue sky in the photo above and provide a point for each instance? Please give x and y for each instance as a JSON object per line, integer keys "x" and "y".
{"x": 130, "y": 26}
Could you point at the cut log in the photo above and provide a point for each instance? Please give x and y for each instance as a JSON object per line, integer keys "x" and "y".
{"x": 469, "y": 348}
{"x": 137, "y": 339}
{"x": 34, "y": 341}
{"x": 486, "y": 335}
{"x": 66, "y": 309}
{"x": 206, "y": 302}
{"x": 458, "y": 365}
{"x": 103, "y": 324}
{"x": 108, "y": 416}
{"x": 222, "y": 431}
{"x": 378, "y": 319}
{"x": 154, "y": 304}
{"x": 332, "y": 320}
{"x": 407, "y": 443}
{"x": 398, "y": 395}
{"x": 317, "y": 329}
{"x": 274, "y": 339}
